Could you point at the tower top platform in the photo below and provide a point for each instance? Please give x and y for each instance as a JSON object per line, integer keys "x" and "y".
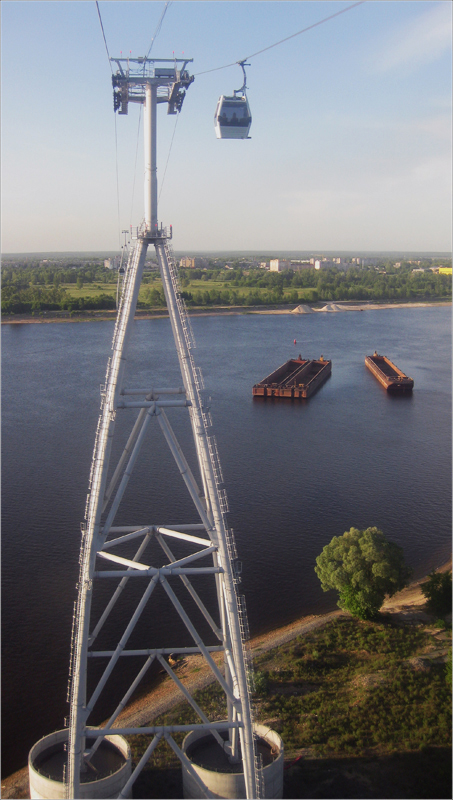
{"x": 134, "y": 74}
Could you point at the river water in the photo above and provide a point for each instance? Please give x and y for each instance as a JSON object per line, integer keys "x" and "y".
{"x": 296, "y": 473}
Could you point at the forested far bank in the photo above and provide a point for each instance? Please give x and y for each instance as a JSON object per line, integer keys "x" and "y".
{"x": 256, "y": 287}
{"x": 32, "y": 286}
{"x": 31, "y": 289}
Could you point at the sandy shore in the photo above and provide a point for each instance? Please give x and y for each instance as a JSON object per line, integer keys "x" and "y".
{"x": 406, "y": 606}
{"x": 332, "y": 307}
{"x": 102, "y": 316}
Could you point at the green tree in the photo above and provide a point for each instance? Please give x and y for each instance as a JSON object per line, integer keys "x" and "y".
{"x": 155, "y": 297}
{"x": 437, "y": 590}
{"x": 363, "y": 566}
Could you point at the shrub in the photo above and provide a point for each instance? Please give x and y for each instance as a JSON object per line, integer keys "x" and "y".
{"x": 448, "y": 670}
{"x": 261, "y": 683}
{"x": 437, "y": 590}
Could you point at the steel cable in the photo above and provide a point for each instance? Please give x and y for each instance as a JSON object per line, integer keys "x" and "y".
{"x": 159, "y": 25}
{"x": 103, "y": 34}
{"x": 286, "y": 39}
{"x": 135, "y": 165}
{"x": 168, "y": 157}
{"x": 116, "y": 133}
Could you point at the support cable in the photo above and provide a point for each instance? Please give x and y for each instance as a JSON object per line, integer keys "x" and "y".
{"x": 168, "y": 157}
{"x": 103, "y": 34}
{"x": 135, "y": 165}
{"x": 159, "y": 25}
{"x": 117, "y": 185}
{"x": 116, "y": 134}
{"x": 286, "y": 39}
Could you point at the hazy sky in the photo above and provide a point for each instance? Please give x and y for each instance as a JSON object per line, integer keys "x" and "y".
{"x": 351, "y": 131}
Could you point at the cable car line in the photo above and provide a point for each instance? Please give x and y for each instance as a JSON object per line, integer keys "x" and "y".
{"x": 232, "y": 117}
{"x": 286, "y": 39}
{"x": 337, "y": 13}
{"x": 117, "y": 183}
{"x": 116, "y": 133}
{"x": 168, "y": 157}
{"x": 135, "y": 165}
{"x": 103, "y": 34}
{"x": 159, "y": 25}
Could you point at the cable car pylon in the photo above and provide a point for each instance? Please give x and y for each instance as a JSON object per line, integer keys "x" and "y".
{"x": 211, "y": 551}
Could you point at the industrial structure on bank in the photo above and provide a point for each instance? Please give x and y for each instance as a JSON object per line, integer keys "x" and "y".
{"x": 86, "y": 759}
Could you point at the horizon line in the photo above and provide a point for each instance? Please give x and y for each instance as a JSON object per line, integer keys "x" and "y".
{"x": 318, "y": 251}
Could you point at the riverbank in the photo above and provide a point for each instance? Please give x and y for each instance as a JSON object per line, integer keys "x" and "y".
{"x": 305, "y": 308}
{"x": 406, "y": 607}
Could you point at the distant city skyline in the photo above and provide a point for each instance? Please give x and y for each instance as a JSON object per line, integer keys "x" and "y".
{"x": 351, "y": 130}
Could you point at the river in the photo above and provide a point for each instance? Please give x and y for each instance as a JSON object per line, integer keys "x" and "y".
{"x": 296, "y": 473}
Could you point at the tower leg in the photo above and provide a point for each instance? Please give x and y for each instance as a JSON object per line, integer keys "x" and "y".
{"x": 95, "y": 503}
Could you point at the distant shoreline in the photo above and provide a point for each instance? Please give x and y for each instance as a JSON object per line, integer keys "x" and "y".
{"x": 302, "y": 308}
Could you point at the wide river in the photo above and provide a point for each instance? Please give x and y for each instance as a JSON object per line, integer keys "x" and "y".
{"x": 296, "y": 473}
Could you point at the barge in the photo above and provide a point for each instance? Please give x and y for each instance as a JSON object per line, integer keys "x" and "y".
{"x": 390, "y": 376}
{"x": 297, "y": 378}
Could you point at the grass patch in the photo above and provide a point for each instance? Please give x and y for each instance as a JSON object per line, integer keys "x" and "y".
{"x": 349, "y": 687}
{"x": 348, "y": 693}
{"x": 89, "y": 289}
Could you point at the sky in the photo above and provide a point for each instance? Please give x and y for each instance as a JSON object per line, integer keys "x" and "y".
{"x": 350, "y": 145}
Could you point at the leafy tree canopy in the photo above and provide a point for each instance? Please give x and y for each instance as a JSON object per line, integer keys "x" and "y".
{"x": 364, "y": 567}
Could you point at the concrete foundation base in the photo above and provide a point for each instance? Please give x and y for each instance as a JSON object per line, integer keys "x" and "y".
{"x": 111, "y": 768}
{"x": 225, "y": 780}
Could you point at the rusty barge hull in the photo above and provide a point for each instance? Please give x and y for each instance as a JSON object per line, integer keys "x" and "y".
{"x": 297, "y": 378}
{"x": 389, "y": 375}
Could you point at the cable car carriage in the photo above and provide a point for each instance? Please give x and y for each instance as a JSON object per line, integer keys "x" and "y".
{"x": 232, "y": 118}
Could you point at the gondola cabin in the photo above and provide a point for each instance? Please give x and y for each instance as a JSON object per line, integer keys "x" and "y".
{"x": 232, "y": 118}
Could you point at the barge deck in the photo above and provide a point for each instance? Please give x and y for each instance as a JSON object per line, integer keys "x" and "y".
{"x": 388, "y": 374}
{"x": 297, "y": 378}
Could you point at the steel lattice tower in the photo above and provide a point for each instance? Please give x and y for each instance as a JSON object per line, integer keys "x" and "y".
{"x": 151, "y": 82}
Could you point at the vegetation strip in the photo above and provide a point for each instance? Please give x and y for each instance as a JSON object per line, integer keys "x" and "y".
{"x": 350, "y": 688}
{"x": 74, "y": 285}
{"x": 361, "y": 702}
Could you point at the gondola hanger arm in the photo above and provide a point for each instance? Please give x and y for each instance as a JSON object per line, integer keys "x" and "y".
{"x": 242, "y": 64}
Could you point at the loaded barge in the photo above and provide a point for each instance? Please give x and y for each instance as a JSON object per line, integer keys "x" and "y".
{"x": 392, "y": 379}
{"x": 298, "y": 377}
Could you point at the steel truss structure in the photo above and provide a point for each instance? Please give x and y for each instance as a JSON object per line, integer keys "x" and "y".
{"x": 210, "y": 543}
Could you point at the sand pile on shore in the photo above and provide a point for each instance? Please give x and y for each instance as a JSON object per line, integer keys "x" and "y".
{"x": 302, "y": 309}
{"x": 332, "y": 307}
